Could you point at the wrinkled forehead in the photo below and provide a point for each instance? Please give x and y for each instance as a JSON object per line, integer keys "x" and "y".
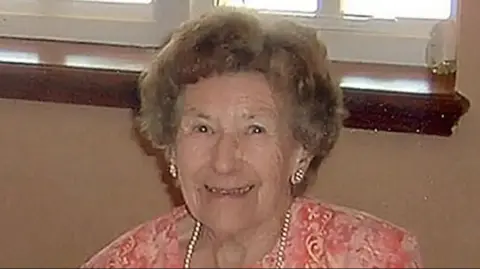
{"x": 245, "y": 92}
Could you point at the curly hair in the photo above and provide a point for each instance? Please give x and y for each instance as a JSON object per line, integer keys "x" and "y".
{"x": 230, "y": 40}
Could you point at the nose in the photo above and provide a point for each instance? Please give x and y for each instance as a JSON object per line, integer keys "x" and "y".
{"x": 225, "y": 156}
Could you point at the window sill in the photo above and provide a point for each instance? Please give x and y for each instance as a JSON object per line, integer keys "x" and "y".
{"x": 378, "y": 97}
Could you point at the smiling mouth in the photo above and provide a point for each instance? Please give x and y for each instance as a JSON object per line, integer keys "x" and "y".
{"x": 236, "y": 192}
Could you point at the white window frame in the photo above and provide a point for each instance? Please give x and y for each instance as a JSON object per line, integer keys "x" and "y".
{"x": 88, "y": 21}
{"x": 401, "y": 41}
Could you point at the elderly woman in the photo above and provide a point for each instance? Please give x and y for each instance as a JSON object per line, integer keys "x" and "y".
{"x": 246, "y": 111}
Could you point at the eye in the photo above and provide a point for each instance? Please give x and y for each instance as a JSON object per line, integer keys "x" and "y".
{"x": 203, "y": 129}
{"x": 256, "y": 129}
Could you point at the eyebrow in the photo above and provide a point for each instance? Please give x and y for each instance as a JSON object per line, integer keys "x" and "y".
{"x": 192, "y": 111}
{"x": 263, "y": 112}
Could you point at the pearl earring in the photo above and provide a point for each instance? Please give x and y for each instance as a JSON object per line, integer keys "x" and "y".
{"x": 297, "y": 177}
{"x": 173, "y": 170}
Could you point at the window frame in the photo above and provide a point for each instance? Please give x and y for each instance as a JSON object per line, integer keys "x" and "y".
{"x": 144, "y": 27}
{"x": 405, "y": 39}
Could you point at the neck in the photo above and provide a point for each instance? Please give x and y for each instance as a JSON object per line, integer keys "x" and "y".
{"x": 245, "y": 247}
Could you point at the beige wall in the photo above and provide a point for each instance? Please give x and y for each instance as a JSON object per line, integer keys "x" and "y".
{"x": 71, "y": 178}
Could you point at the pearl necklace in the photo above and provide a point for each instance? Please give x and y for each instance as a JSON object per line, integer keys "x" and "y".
{"x": 281, "y": 248}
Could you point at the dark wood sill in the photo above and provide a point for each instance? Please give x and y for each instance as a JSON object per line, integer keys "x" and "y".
{"x": 378, "y": 97}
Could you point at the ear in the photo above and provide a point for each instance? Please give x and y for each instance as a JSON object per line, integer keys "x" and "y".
{"x": 303, "y": 159}
{"x": 169, "y": 154}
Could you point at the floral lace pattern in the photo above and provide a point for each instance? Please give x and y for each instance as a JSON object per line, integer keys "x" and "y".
{"x": 321, "y": 236}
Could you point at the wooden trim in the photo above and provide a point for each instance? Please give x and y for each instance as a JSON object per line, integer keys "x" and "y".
{"x": 378, "y": 97}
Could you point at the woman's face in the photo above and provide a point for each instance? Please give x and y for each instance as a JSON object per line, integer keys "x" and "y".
{"x": 235, "y": 152}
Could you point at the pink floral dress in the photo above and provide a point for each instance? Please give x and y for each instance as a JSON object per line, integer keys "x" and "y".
{"x": 322, "y": 236}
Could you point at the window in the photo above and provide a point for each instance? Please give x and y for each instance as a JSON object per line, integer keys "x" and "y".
{"x": 385, "y": 31}
{"x": 423, "y": 9}
{"x": 137, "y": 22}
{"x": 299, "y": 6}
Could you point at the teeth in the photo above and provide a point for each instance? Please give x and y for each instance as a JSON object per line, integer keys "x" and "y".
{"x": 232, "y": 191}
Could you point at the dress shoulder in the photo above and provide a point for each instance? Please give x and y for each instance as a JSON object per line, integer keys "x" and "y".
{"x": 336, "y": 236}
{"x": 148, "y": 245}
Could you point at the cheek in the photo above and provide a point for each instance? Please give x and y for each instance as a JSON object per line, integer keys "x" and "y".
{"x": 270, "y": 162}
{"x": 268, "y": 159}
{"x": 191, "y": 155}
{"x": 190, "y": 158}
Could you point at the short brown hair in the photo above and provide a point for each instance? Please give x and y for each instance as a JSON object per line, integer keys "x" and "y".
{"x": 238, "y": 40}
